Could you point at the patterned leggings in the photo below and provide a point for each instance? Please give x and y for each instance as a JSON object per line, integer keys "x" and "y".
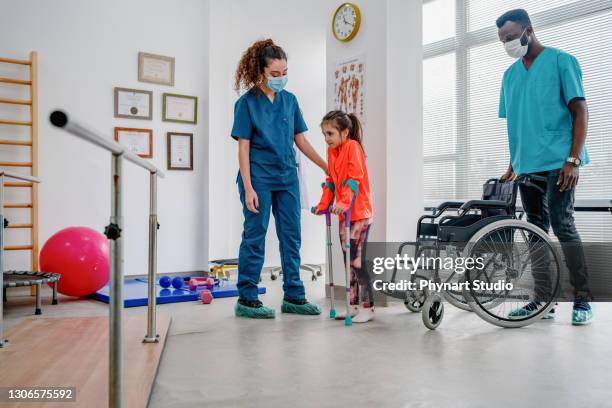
{"x": 360, "y": 279}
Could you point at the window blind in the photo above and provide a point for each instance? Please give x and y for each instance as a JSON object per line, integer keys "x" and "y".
{"x": 465, "y": 143}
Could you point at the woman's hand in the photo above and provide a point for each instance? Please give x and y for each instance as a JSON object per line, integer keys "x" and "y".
{"x": 251, "y": 200}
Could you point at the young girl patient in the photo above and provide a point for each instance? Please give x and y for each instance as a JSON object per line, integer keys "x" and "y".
{"x": 348, "y": 172}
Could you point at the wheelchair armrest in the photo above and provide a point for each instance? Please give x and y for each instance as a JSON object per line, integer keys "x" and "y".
{"x": 439, "y": 210}
{"x": 452, "y": 205}
{"x": 483, "y": 205}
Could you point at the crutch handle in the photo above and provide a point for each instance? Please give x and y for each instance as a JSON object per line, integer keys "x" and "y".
{"x": 327, "y": 214}
{"x": 314, "y": 211}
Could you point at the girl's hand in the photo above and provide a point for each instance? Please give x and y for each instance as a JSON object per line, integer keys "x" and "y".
{"x": 337, "y": 210}
{"x": 251, "y": 200}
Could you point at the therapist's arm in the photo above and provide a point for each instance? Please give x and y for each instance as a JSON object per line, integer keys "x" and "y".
{"x": 244, "y": 160}
{"x": 305, "y": 147}
{"x": 568, "y": 177}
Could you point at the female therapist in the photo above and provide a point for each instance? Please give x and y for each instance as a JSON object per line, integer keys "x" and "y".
{"x": 267, "y": 122}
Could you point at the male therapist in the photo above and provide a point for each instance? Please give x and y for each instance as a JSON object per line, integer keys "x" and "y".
{"x": 542, "y": 99}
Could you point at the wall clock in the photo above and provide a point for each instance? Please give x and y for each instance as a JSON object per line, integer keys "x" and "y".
{"x": 346, "y": 22}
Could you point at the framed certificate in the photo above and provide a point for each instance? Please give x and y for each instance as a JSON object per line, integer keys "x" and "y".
{"x": 180, "y": 151}
{"x": 180, "y": 108}
{"x": 133, "y": 104}
{"x": 156, "y": 69}
{"x": 138, "y": 141}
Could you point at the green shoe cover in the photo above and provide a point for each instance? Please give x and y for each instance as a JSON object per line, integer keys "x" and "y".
{"x": 254, "y": 312}
{"x": 305, "y": 309}
{"x": 581, "y": 317}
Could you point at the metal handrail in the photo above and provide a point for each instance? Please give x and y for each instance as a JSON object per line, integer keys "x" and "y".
{"x": 60, "y": 119}
{"x": 114, "y": 233}
{"x": 18, "y": 176}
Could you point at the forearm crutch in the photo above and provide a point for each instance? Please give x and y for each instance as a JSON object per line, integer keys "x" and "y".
{"x": 329, "y": 263}
{"x": 348, "y": 319}
{"x": 329, "y": 266}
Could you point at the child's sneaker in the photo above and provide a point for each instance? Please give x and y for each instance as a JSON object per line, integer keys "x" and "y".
{"x": 365, "y": 315}
{"x": 341, "y": 315}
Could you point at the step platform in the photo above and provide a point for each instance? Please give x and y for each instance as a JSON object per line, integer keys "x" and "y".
{"x": 135, "y": 293}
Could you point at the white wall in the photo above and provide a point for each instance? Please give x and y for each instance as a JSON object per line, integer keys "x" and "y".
{"x": 85, "y": 49}
{"x": 300, "y": 28}
{"x": 404, "y": 153}
{"x": 390, "y": 39}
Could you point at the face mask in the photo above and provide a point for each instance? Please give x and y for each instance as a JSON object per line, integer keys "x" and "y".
{"x": 277, "y": 84}
{"x": 515, "y": 49}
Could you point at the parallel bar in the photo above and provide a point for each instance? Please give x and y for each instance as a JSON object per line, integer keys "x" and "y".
{"x": 15, "y": 81}
{"x": 113, "y": 232}
{"x": 152, "y": 336}
{"x": 15, "y": 142}
{"x": 16, "y": 164}
{"x": 19, "y": 176}
{"x": 15, "y": 101}
{"x": 115, "y": 380}
{"x": 14, "y": 61}
{"x": 60, "y": 119}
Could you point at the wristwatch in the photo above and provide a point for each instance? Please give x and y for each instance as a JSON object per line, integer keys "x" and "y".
{"x": 575, "y": 161}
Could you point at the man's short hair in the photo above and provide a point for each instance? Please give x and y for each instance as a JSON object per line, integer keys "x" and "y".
{"x": 518, "y": 16}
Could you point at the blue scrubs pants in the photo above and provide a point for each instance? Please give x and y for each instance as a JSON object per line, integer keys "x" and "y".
{"x": 285, "y": 205}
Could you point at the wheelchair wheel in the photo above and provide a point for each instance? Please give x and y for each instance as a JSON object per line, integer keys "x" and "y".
{"x": 414, "y": 304}
{"x": 457, "y": 298}
{"x": 433, "y": 311}
{"x": 520, "y": 266}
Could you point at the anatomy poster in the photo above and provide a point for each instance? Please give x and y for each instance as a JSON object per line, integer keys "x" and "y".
{"x": 349, "y": 86}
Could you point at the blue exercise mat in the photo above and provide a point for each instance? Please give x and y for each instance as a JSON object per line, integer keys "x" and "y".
{"x": 135, "y": 293}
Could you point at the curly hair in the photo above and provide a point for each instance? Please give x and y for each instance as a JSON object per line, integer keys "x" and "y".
{"x": 253, "y": 62}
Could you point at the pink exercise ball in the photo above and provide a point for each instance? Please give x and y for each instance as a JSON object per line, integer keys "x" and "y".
{"x": 81, "y": 256}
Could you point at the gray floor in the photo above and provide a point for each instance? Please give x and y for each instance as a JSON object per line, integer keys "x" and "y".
{"x": 213, "y": 359}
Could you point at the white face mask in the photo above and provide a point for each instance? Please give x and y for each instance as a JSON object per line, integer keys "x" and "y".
{"x": 515, "y": 49}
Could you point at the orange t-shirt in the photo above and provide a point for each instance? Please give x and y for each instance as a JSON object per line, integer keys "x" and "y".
{"x": 344, "y": 163}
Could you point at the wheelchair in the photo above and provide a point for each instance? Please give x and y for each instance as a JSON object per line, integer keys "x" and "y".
{"x": 518, "y": 264}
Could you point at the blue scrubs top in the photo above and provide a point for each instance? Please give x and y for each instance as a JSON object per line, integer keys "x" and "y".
{"x": 271, "y": 128}
{"x": 535, "y": 104}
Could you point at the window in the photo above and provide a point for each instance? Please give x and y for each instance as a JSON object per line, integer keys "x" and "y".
{"x": 465, "y": 143}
